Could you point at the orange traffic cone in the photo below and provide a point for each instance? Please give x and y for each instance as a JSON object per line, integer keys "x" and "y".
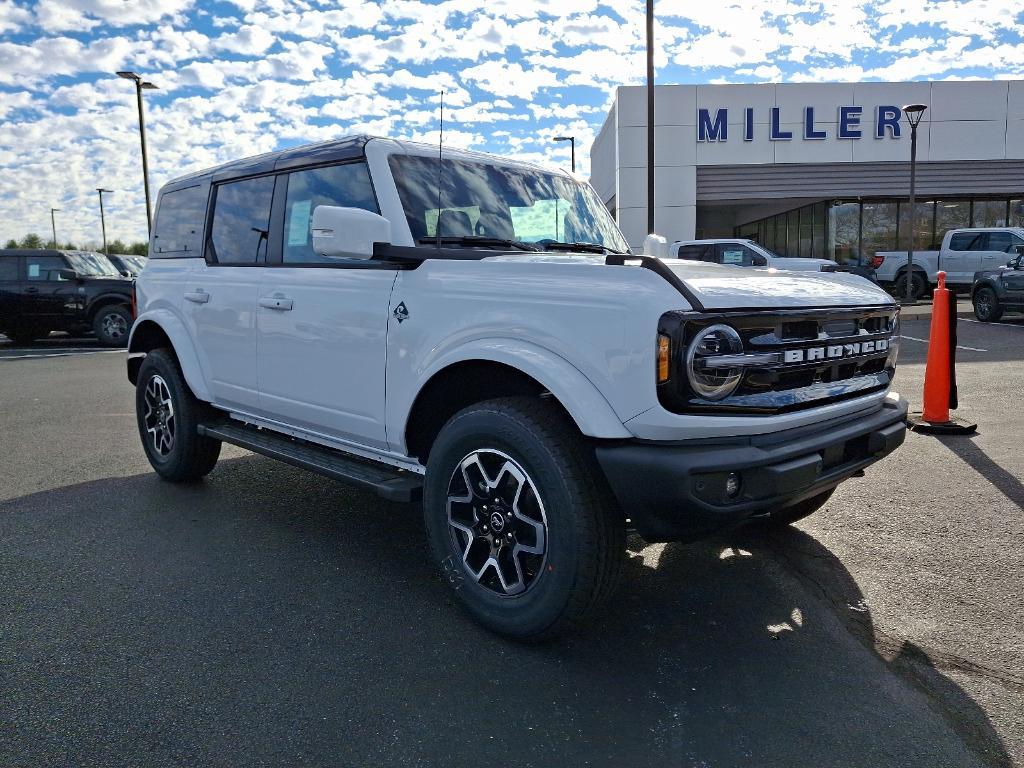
{"x": 940, "y": 393}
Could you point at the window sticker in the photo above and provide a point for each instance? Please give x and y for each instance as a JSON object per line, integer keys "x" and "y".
{"x": 33, "y": 270}
{"x": 732, "y": 257}
{"x": 298, "y": 225}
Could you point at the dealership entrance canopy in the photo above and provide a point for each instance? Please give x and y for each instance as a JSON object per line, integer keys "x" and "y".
{"x": 815, "y": 169}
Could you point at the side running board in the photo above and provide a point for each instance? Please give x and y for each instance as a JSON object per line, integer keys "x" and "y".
{"x": 389, "y": 483}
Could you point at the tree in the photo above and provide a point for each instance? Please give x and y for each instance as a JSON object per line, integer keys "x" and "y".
{"x": 117, "y": 247}
{"x": 31, "y": 240}
{"x": 139, "y": 249}
{"x": 12, "y": 243}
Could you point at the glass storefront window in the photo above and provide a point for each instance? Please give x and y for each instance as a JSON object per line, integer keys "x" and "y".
{"x": 1017, "y": 212}
{"x": 806, "y": 227}
{"x": 792, "y": 233}
{"x": 924, "y": 222}
{"x": 769, "y": 234}
{"x": 951, "y": 214}
{"x": 878, "y": 228}
{"x": 818, "y": 235}
{"x": 989, "y": 213}
{"x": 844, "y": 233}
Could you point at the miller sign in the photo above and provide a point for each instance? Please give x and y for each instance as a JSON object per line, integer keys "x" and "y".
{"x": 848, "y": 124}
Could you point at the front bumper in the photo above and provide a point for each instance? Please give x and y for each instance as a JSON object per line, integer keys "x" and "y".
{"x": 677, "y": 491}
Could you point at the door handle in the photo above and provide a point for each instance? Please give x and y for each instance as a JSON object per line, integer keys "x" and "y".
{"x": 198, "y": 297}
{"x": 32, "y": 289}
{"x": 276, "y": 302}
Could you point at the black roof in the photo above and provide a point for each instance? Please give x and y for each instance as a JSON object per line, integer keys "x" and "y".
{"x": 348, "y": 148}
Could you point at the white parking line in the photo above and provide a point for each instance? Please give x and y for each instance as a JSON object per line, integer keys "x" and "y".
{"x": 1000, "y": 325}
{"x": 958, "y": 346}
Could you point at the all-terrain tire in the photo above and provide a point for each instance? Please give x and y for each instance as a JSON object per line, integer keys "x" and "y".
{"x": 800, "y": 510}
{"x": 168, "y": 415}
{"x": 533, "y": 445}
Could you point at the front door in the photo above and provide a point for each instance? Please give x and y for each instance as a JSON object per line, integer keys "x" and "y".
{"x": 10, "y": 290}
{"x": 323, "y": 322}
{"x": 47, "y": 299}
{"x": 219, "y": 300}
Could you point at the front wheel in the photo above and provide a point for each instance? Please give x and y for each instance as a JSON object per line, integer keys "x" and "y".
{"x": 168, "y": 416}
{"x": 520, "y": 519}
{"x": 986, "y": 305}
{"x": 112, "y": 324}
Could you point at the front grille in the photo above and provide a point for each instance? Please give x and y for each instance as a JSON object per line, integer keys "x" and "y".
{"x": 800, "y": 358}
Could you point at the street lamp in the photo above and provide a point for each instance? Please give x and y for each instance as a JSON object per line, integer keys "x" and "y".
{"x": 53, "y": 223}
{"x": 914, "y": 113}
{"x": 141, "y": 84}
{"x": 103, "y": 221}
{"x": 572, "y": 142}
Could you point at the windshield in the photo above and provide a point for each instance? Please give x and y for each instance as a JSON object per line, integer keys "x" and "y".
{"x": 481, "y": 199}
{"x": 133, "y": 263}
{"x": 93, "y": 264}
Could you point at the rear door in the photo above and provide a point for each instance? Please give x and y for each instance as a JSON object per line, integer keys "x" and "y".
{"x": 963, "y": 257}
{"x": 323, "y": 321}
{"x": 219, "y": 301}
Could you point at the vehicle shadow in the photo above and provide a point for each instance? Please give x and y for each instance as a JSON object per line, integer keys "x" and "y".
{"x": 267, "y": 615}
{"x": 973, "y": 456}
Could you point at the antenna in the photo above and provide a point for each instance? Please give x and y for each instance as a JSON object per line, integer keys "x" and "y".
{"x": 440, "y": 168}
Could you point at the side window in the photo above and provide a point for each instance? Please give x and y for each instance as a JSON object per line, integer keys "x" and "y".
{"x": 241, "y": 220}
{"x": 736, "y": 254}
{"x": 966, "y": 241}
{"x": 180, "y": 217}
{"x": 697, "y": 252}
{"x": 999, "y": 241}
{"x": 44, "y": 267}
{"x": 346, "y": 186}
{"x": 8, "y": 268}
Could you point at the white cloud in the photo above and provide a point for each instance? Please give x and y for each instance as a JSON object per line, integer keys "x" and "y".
{"x": 13, "y": 17}
{"x": 249, "y": 40}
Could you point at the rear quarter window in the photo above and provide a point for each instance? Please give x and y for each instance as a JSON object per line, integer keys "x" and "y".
{"x": 8, "y": 268}
{"x": 966, "y": 241}
{"x": 180, "y": 217}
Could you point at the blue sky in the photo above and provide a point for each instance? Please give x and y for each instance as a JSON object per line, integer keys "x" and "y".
{"x": 246, "y": 76}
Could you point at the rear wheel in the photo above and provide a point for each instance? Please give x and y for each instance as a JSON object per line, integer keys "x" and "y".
{"x": 168, "y": 415}
{"x": 112, "y": 324}
{"x": 800, "y": 510}
{"x": 918, "y": 286}
{"x": 519, "y": 518}
{"x": 986, "y": 305}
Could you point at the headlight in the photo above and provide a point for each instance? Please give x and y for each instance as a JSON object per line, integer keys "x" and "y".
{"x": 714, "y": 379}
{"x": 894, "y": 341}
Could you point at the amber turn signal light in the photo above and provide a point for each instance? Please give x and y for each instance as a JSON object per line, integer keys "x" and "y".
{"x": 664, "y": 349}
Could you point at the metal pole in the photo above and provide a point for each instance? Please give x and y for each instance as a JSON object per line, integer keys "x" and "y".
{"x": 53, "y": 223}
{"x": 103, "y": 223}
{"x": 145, "y": 161}
{"x": 572, "y": 143}
{"x": 913, "y": 211}
{"x": 650, "y": 116}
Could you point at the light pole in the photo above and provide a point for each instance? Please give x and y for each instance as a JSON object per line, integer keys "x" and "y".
{"x": 572, "y": 142}
{"x": 53, "y": 223}
{"x": 103, "y": 221}
{"x": 650, "y": 116}
{"x": 914, "y": 113}
{"x": 141, "y": 84}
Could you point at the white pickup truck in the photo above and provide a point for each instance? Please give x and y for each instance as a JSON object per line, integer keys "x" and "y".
{"x": 963, "y": 252}
{"x": 740, "y": 252}
{"x": 472, "y": 333}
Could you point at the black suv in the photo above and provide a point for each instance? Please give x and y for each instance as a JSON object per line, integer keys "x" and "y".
{"x": 998, "y": 290}
{"x": 75, "y": 291}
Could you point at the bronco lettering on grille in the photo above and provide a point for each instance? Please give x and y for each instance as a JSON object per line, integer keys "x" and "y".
{"x": 833, "y": 352}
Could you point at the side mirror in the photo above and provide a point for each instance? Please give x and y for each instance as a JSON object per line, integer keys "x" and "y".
{"x": 759, "y": 261}
{"x": 67, "y": 274}
{"x": 347, "y": 232}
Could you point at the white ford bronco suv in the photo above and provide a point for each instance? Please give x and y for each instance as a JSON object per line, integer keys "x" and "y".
{"x": 473, "y": 332}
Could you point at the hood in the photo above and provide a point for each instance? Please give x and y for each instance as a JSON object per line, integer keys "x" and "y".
{"x": 726, "y": 287}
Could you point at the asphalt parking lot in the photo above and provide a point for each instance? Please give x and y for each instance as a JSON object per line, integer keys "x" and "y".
{"x": 270, "y": 617}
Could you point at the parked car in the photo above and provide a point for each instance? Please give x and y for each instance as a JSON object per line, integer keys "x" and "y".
{"x": 996, "y": 291}
{"x": 473, "y": 332}
{"x": 75, "y": 291}
{"x": 127, "y": 265}
{"x": 963, "y": 253}
{"x": 744, "y": 253}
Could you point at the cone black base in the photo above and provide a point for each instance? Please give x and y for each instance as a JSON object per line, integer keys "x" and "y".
{"x": 955, "y": 426}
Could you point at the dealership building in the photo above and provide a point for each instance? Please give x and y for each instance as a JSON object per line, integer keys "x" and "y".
{"x": 815, "y": 169}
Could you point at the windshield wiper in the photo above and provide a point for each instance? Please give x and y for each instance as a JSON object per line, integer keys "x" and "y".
{"x": 478, "y": 241}
{"x": 558, "y": 245}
